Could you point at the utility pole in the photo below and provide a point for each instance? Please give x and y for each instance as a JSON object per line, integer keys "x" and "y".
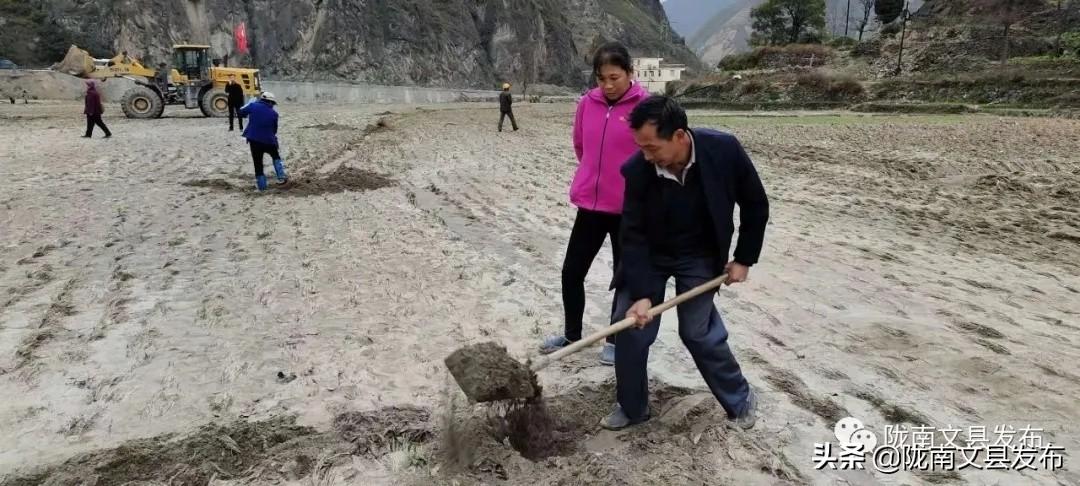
{"x": 847, "y": 18}
{"x": 903, "y": 33}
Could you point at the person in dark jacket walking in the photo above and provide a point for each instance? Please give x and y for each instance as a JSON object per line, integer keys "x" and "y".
{"x": 236, "y": 101}
{"x": 506, "y": 107}
{"x": 677, "y": 221}
{"x": 93, "y": 110}
{"x": 261, "y": 135}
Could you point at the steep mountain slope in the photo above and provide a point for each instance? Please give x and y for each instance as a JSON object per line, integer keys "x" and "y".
{"x": 687, "y": 16}
{"x": 725, "y": 33}
{"x": 463, "y": 43}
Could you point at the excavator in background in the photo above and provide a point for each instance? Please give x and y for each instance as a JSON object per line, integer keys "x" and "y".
{"x": 192, "y": 81}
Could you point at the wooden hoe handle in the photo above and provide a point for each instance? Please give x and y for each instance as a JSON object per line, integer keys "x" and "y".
{"x": 627, "y": 323}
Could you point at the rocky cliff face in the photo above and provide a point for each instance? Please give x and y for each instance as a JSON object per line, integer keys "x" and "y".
{"x": 464, "y": 43}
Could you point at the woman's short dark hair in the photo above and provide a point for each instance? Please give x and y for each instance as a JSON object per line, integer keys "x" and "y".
{"x": 615, "y": 54}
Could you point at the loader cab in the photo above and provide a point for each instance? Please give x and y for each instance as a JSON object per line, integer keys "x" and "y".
{"x": 192, "y": 61}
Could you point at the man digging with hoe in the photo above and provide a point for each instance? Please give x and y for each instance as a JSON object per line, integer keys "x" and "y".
{"x": 681, "y": 192}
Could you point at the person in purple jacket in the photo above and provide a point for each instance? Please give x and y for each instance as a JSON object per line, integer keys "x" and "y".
{"x": 93, "y": 109}
{"x": 603, "y": 140}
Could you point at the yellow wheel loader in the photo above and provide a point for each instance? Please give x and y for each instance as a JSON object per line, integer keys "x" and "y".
{"x": 192, "y": 81}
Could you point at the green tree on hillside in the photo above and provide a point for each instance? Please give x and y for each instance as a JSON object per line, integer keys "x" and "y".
{"x": 787, "y": 21}
{"x": 888, "y": 10}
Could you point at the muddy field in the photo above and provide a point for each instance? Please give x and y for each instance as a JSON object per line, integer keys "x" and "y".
{"x": 160, "y": 323}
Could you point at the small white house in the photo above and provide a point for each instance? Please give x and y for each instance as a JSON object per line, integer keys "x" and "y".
{"x": 654, "y": 75}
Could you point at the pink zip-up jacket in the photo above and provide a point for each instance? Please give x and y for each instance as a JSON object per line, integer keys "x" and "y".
{"x": 603, "y": 140}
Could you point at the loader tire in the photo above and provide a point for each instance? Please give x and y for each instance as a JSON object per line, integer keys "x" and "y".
{"x": 142, "y": 102}
{"x": 214, "y": 103}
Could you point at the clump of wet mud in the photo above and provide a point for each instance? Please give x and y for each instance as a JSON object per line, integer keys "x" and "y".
{"x": 487, "y": 373}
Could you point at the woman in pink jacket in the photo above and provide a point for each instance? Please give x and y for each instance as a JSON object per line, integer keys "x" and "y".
{"x": 603, "y": 141}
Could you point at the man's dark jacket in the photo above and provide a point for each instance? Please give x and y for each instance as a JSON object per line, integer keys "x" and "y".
{"x": 728, "y": 178}
{"x": 505, "y": 101}
{"x": 236, "y": 94}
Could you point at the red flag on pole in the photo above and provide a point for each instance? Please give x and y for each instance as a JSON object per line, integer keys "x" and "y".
{"x": 240, "y": 33}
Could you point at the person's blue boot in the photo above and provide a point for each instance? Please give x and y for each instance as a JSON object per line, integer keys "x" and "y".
{"x": 607, "y": 354}
{"x": 279, "y": 171}
{"x": 260, "y": 182}
{"x": 554, "y": 343}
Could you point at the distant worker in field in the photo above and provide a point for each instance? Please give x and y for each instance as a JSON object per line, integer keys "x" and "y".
{"x": 603, "y": 141}
{"x": 261, "y": 135}
{"x": 506, "y": 107}
{"x": 236, "y": 101}
{"x": 93, "y": 111}
{"x": 162, "y": 78}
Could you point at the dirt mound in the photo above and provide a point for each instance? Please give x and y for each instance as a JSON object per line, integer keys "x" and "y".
{"x": 371, "y": 432}
{"x": 77, "y": 62}
{"x": 254, "y": 452}
{"x": 52, "y": 85}
{"x": 340, "y": 180}
{"x": 214, "y": 451}
{"x": 380, "y": 125}
{"x": 560, "y": 441}
{"x": 219, "y": 184}
{"x": 279, "y": 449}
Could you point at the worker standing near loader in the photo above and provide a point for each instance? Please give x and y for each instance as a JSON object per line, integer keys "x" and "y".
{"x": 93, "y": 110}
{"x": 261, "y": 134}
{"x": 677, "y": 221}
{"x": 162, "y": 77}
{"x": 236, "y": 101}
{"x": 506, "y": 107}
{"x": 603, "y": 141}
